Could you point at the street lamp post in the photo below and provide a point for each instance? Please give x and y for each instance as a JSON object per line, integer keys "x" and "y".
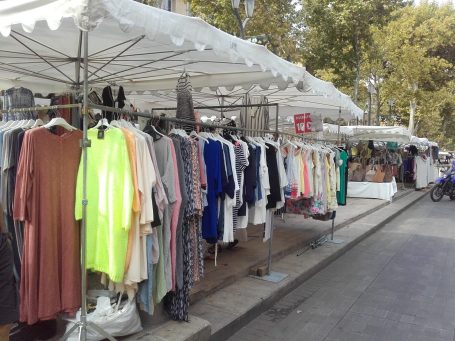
{"x": 391, "y": 103}
{"x": 249, "y": 8}
{"x": 371, "y": 91}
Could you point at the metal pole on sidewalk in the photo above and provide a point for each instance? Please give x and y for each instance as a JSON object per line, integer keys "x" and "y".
{"x": 82, "y": 325}
{"x": 332, "y": 240}
{"x": 269, "y": 262}
{"x": 85, "y": 145}
{"x": 272, "y": 276}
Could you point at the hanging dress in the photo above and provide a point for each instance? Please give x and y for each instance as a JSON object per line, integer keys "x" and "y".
{"x": 45, "y": 199}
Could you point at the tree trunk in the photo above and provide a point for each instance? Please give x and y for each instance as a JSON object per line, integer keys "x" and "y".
{"x": 413, "y": 107}
{"x": 357, "y": 70}
{"x": 378, "y": 99}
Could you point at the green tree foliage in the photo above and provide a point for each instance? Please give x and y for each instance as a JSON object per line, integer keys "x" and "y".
{"x": 155, "y": 3}
{"x": 406, "y": 52}
{"x": 276, "y": 19}
{"x": 416, "y": 51}
{"x": 337, "y": 36}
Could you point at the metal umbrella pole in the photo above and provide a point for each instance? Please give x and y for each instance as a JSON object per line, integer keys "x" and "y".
{"x": 83, "y": 325}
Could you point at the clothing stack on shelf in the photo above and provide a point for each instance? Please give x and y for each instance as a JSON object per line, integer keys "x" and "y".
{"x": 317, "y": 179}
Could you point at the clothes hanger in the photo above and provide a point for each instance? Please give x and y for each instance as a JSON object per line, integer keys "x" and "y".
{"x": 157, "y": 131}
{"x": 183, "y": 74}
{"x": 235, "y": 137}
{"x": 256, "y": 141}
{"x": 155, "y": 134}
{"x": 196, "y": 135}
{"x": 7, "y": 125}
{"x": 207, "y": 135}
{"x": 115, "y": 124}
{"x": 183, "y": 133}
{"x": 38, "y": 123}
{"x": 103, "y": 123}
{"x": 15, "y": 124}
{"x": 28, "y": 124}
{"x": 288, "y": 142}
{"x": 178, "y": 131}
{"x": 59, "y": 121}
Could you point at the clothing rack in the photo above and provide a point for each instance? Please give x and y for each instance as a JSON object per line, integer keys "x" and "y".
{"x": 208, "y": 125}
{"x": 311, "y": 139}
{"x": 177, "y": 120}
{"x": 49, "y": 107}
{"x": 276, "y": 133}
{"x": 324, "y": 238}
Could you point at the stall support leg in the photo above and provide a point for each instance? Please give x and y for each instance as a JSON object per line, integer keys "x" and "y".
{"x": 403, "y": 186}
{"x": 332, "y": 240}
{"x": 271, "y": 276}
{"x": 269, "y": 258}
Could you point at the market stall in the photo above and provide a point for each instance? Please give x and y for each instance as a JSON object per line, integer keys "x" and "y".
{"x": 421, "y": 162}
{"x": 372, "y": 190}
{"x": 375, "y": 161}
{"x": 123, "y": 46}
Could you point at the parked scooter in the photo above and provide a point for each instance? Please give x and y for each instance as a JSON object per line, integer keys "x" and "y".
{"x": 445, "y": 185}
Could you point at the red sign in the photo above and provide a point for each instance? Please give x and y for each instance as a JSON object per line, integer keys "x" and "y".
{"x": 303, "y": 123}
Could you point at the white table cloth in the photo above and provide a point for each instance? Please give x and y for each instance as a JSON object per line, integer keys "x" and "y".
{"x": 372, "y": 190}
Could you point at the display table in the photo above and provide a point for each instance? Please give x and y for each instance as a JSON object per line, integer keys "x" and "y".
{"x": 384, "y": 191}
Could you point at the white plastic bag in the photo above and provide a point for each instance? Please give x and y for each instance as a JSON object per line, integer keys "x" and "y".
{"x": 121, "y": 322}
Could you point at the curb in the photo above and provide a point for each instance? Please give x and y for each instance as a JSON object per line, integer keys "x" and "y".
{"x": 231, "y": 328}
{"x": 304, "y": 247}
{"x": 300, "y": 247}
{"x": 201, "y": 329}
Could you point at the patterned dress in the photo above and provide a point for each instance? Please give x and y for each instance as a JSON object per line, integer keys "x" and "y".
{"x": 177, "y": 303}
{"x": 240, "y": 164}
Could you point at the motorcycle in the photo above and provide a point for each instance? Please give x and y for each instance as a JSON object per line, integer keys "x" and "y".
{"x": 445, "y": 185}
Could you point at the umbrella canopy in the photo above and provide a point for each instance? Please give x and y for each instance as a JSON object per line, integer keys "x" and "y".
{"x": 380, "y": 133}
{"x": 419, "y": 140}
{"x": 143, "y": 48}
{"x": 292, "y": 98}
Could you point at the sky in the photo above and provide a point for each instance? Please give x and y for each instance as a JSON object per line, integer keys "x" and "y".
{"x": 441, "y": 2}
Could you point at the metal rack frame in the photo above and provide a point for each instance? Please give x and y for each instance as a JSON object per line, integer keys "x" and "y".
{"x": 41, "y": 108}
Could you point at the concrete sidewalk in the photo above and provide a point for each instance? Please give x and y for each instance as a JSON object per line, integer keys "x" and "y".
{"x": 290, "y": 235}
{"x": 223, "y": 308}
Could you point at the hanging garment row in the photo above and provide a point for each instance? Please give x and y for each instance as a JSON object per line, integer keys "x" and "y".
{"x": 152, "y": 201}
{"x": 32, "y": 213}
{"x": 317, "y": 178}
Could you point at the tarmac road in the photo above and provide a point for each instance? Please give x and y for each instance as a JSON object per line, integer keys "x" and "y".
{"x": 398, "y": 284}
